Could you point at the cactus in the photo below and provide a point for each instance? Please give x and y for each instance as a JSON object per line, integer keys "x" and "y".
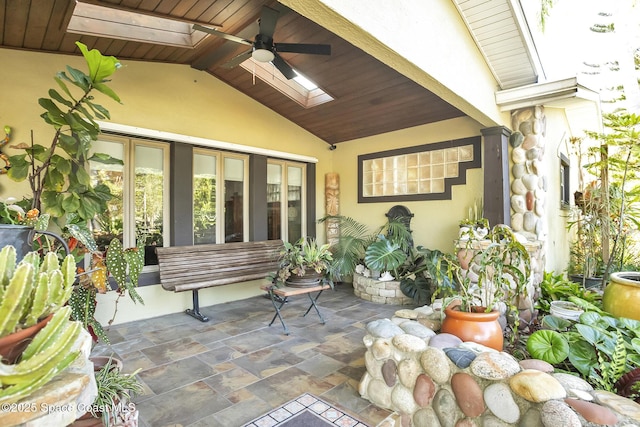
{"x": 30, "y": 291}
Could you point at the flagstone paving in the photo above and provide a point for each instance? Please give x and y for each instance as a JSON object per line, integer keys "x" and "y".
{"x": 235, "y": 367}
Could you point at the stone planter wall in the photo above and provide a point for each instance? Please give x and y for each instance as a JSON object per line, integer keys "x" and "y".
{"x": 433, "y": 380}
{"x": 378, "y": 291}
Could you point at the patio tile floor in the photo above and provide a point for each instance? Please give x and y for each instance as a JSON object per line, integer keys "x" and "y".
{"x": 232, "y": 369}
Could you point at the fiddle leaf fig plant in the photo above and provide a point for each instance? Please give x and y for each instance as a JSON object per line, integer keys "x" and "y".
{"x": 57, "y": 176}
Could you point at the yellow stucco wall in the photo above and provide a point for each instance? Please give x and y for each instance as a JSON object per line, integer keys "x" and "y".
{"x": 435, "y": 222}
{"x": 179, "y": 99}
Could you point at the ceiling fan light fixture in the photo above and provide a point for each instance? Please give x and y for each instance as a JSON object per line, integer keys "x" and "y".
{"x": 262, "y": 55}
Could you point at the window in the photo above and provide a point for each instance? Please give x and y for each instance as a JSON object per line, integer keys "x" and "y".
{"x": 565, "y": 187}
{"x": 209, "y": 199}
{"x": 285, "y": 206}
{"x": 140, "y": 194}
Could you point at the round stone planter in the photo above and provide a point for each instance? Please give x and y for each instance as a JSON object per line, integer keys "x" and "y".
{"x": 622, "y": 295}
{"x": 477, "y": 326}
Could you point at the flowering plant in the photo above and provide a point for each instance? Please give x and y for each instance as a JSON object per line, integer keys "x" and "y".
{"x": 11, "y": 212}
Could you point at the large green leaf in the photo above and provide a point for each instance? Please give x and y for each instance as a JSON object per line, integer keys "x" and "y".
{"x": 116, "y": 262}
{"x": 583, "y": 357}
{"x": 56, "y": 96}
{"x": 19, "y": 168}
{"x": 384, "y": 255}
{"x": 83, "y": 234}
{"x": 100, "y": 67}
{"x": 556, "y": 323}
{"x": 548, "y": 345}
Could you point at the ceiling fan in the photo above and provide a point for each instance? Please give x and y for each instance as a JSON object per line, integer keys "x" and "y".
{"x": 263, "y": 48}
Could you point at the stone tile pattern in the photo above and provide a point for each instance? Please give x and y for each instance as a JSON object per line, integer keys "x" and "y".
{"x": 308, "y": 402}
{"x": 235, "y": 368}
{"x": 439, "y": 380}
{"x": 378, "y": 291}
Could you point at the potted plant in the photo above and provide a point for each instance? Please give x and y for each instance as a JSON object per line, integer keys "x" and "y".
{"x": 304, "y": 263}
{"x": 62, "y": 189}
{"x": 113, "y": 403}
{"x": 499, "y": 271}
{"x": 36, "y": 335}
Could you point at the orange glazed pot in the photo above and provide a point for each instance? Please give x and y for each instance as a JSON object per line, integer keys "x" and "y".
{"x": 476, "y": 326}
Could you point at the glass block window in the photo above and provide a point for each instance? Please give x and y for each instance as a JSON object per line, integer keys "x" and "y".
{"x": 416, "y": 173}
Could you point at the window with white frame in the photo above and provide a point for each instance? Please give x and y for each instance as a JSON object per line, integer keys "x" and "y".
{"x": 219, "y": 211}
{"x": 285, "y": 197}
{"x": 140, "y": 190}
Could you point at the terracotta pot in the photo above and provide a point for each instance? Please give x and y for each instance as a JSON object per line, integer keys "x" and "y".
{"x": 12, "y": 345}
{"x": 477, "y": 326}
{"x": 622, "y": 295}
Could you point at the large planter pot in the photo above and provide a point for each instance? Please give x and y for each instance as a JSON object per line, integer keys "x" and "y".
{"x": 477, "y": 326}
{"x": 12, "y": 345}
{"x": 21, "y": 238}
{"x": 587, "y": 282}
{"x": 622, "y": 295}
{"x": 309, "y": 279}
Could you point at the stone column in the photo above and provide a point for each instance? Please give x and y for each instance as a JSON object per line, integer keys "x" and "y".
{"x": 332, "y": 205}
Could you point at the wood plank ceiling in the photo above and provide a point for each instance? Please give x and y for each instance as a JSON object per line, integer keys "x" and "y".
{"x": 370, "y": 98}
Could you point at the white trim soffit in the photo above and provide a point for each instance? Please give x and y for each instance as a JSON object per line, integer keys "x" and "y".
{"x": 556, "y": 93}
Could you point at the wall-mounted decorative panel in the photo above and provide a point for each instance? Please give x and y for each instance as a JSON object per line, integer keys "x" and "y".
{"x": 424, "y": 172}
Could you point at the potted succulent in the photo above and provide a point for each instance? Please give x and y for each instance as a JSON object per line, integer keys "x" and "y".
{"x": 36, "y": 335}
{"x": 498, "y": 272}
{"x": 304, "y": 263}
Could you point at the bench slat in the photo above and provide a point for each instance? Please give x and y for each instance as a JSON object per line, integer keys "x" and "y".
{"x": 188, "y": 268}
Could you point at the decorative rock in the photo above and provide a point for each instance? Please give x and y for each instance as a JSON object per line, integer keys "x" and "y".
{"x": 399, "y": 320}
{"x": 468, "y": 394}
{"x": 368, "y": 340}
{"x": 408, "y": 371}
{"x": 432, "y": 324}
{"x": 515, "y": 139}
{"x": 526, "y": 127}
{"x": 580, "y": 394}
{"x": 424, "y": 390}
{"x": 529, "y": 221}
{"x": 402, "y": 398}
{"x": 518, "y": 155}
{"x": 495, "y": 366}
{"x": 538, "y": 365}
{"x": 467, "y": 422}
{"x": 446, "y": 408}
{"x": 530, "y": 141}
{"x": 383, "y": 328}
{"x": 409, "y": 343}
{"x": 389, "y": 370}
{"x": 444, "y": 340}
{"x": 572, "y": 382}
{"x": 476, "y": 348}
{"x": 557, "y": 413}
{"x": 531, "y": 418}
{"x": 461, "y": 358}
{"x": 621, "y": 405}
{"x": 536, "y": 167}
{"x": 517, "y": 221}
{"x": 426, "y": 417}
{"x": 592, "y": 412}
{"x": 491, "y": 421}
{"x": 529, "y": 200}
{"x": 436, "y": 364}
{"x": 518, "y": 203}
{"x": 379, "y": 394}
{"x": 424, "y": 311}
{"x": 532, "y": 154}
{"x": 415, "y": 328}
{"x": 539, "y": 207}
{"x": 407, "y": 314}
{"x": 517, "y": 186}
{"x": 530, "y": 181}
{"x": 536, "y": 386}
{"x": 499, "y": 400}
{"x": 364, "y": 384}
{"x": 518, "y": 170}
{"x": 381, "y": 349}
{"x": 372, "y": 365}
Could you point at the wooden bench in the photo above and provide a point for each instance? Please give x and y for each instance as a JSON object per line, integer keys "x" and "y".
{"x": 191, "y": 268}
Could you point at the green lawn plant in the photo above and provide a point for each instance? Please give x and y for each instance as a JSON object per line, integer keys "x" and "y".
{"x": 556, "y": 287}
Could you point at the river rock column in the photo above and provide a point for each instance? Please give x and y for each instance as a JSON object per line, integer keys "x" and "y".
{"x": 528, "y": 180}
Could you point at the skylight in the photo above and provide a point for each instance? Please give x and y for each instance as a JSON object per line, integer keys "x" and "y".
{"x": 300, "y": 89}
{"x": 100, "y": 21}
